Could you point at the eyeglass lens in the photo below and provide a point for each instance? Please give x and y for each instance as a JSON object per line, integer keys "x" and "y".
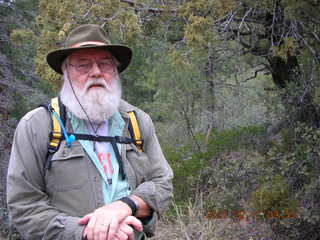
{"x": 105, "y": 65}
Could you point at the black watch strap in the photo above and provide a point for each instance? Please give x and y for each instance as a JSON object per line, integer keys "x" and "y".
{"x": 131, "y": 204}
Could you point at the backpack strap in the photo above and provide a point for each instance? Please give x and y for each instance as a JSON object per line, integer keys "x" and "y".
{"x": 135, "y": 130}
{"x": 55, "y": 136}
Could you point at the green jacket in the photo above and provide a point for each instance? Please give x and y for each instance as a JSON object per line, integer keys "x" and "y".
{"x": 47, "y": 204}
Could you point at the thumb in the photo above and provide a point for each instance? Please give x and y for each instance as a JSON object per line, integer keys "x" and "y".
{"x": 85, "y": 219}
{"x": 134, "y": 222}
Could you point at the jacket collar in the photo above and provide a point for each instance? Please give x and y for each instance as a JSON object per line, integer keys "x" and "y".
{"x": 126, "y": 107}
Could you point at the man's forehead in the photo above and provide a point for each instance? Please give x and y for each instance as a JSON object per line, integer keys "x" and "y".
{"x": 91, "y": 53}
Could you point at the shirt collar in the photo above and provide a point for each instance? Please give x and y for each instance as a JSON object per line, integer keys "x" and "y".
{"x": 116, "y": 124}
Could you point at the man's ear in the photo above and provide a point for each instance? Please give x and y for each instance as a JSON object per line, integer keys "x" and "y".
{"x": 64, "y": 64}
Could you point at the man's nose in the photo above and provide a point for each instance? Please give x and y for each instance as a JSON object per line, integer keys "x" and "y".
{"x": 95, "y": 71}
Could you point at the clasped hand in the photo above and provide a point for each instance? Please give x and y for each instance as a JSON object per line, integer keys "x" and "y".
{"x": 110, "y": 222}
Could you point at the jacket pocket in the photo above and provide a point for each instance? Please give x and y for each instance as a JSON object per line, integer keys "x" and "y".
{"x": 68, "y": 168}
{"x": 139, "y": 163}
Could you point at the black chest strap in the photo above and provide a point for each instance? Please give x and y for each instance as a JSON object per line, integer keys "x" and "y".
{"x": 58, "y": 119}
{"x": 113, "y": 141}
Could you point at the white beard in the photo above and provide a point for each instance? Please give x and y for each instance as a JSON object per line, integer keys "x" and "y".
{"x": 100, "y": 103}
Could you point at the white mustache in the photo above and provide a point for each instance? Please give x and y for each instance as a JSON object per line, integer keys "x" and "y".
{"x": 96, "y": 81}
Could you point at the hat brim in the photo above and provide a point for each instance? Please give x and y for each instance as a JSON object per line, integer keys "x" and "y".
{"x": 122, "y": 53}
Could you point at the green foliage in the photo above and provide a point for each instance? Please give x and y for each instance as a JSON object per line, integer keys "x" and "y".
{"x": 21, "y": 105}
{"x": 293, "y": 180}
{"x": 261, "y": 4}
{"x": 288, "y": 48}
{"x": 279, "y": 185}
{"x": 274, "y": 195}
{"x": 301, "y": 143}
{"x": 187, "y": 167}
{"x": 232, "y": 140}
{"x": 229, "y": 179}
{"x": 186, "y": 170}
{"x": 17, "y": 80}
{"x": 294, "y": 8}
{"x": 21, "y": 36}
{"x": 195, "y": 31}
{"x": 216, "y": 8}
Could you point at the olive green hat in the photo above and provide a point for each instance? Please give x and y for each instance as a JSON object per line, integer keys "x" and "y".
{"x": 89, "y": 36}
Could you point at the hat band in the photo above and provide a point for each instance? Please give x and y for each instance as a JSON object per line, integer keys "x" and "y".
{"x": 88, "y": 43}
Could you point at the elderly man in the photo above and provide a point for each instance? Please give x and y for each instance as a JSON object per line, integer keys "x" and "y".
{"x": 92, "y": 189}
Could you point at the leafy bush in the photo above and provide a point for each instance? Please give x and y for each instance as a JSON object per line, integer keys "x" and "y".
{"x": 191, "y": 170}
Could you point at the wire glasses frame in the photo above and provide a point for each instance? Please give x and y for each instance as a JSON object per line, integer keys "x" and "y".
{"x": 105, "y": 65}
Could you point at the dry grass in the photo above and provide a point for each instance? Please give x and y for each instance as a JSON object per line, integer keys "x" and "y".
{"x": 191, "y": 224}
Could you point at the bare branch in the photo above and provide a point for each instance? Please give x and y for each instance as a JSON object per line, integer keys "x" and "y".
{"x": 252, "y": 49}
{"x": 244, "y": 18}
{"x": 143, "y": 7}
{"x": 229, "y": 20}
{"x": 311, "y": 49}
{"x": 255, "y": 74}
{"x": 250, "y": 20}
{"x": 273, "y": 21}
{"x": 316, "y": 36}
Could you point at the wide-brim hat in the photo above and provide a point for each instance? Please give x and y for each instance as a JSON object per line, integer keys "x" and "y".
{"x": 85, "y": 37}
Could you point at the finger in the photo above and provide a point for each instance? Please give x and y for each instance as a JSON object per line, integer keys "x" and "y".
{"x": 126, "y": 229}
{"x": 85, "y": 233}
{"x": 121, "y": 235}
{"x": 131, "y": 236}
{"x": 90, "y": 228}
{"x": 134, "y": 222}
{"x": 104, "y": 228}
{"x": 101, "y": 227}
{"x": 114, "y": 224}
{"x": 85, "y": 219}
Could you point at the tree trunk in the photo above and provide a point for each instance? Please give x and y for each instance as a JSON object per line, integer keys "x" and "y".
{"x": 297, "y": 93}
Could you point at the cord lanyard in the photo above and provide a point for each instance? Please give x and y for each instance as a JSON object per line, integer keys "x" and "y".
{"x": 103, "y": 150}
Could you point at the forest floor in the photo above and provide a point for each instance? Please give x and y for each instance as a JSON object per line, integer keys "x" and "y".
{"x": 167, "y": 230}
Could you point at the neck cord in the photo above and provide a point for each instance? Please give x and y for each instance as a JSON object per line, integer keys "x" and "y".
{"x": 113, "y": 142}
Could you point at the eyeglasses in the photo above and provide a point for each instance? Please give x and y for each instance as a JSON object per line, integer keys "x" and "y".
{"x": 105, "y": 65}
